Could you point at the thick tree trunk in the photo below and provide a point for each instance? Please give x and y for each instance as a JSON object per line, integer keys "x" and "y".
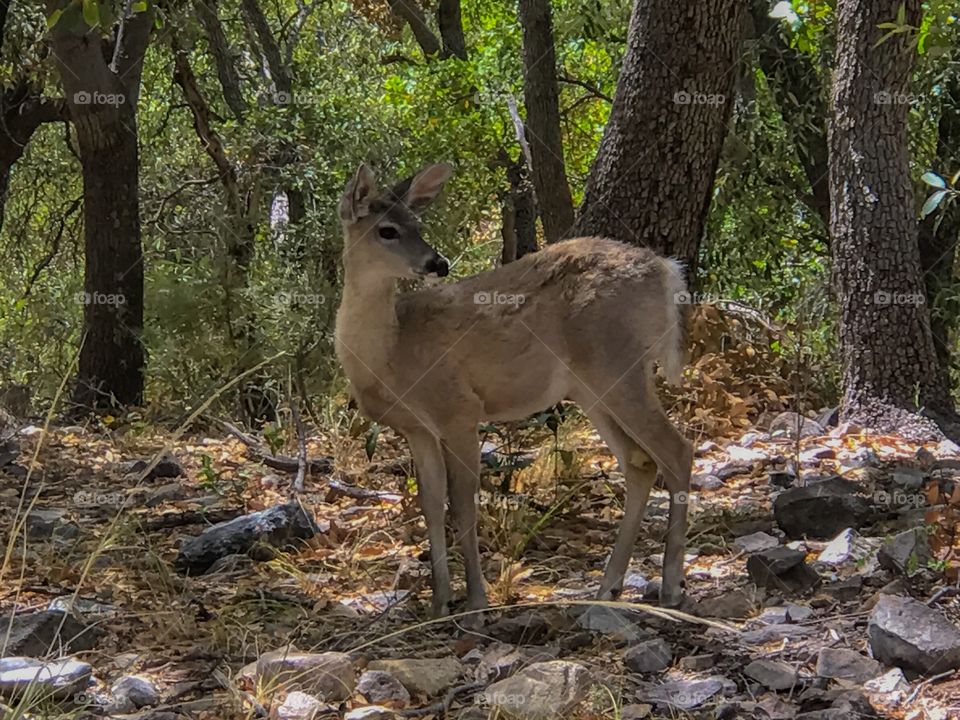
{"x": 885, "y": 339}
{"x": 798, "y": 91}
{"x": 652, "y": 180}
{"x": 451, "y": 29}
{"x": 939, "y": 235}
{"x": 541, "y": 98}
{"x": 519, "y": 214}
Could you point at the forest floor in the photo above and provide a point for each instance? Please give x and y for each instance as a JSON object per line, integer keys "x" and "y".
{"x": 90, "y": 531}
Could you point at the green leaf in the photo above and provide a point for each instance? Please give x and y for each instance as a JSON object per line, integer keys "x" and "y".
{"x": 933, "y": 180}
{"x": 54, "y": 17}
{"x": 91, "y": 12}
{"x": 139, "y": 7}
{"x": 933, "y": 202}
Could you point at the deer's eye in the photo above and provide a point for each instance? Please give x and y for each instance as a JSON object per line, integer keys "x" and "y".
{"x": 387, "y": 232}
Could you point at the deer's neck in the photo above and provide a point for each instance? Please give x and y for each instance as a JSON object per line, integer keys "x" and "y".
{"x": 366, "y": 323}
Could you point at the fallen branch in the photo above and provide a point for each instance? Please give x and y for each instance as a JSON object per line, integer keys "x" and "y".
{"x": 321, "y": 466}
{"x": 359, "y": 493}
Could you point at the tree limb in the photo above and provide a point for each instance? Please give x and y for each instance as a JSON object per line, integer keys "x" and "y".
{"x": 222, "y": 57}
{"x": 279, "y": 72}
{"x": 410, "y": 12}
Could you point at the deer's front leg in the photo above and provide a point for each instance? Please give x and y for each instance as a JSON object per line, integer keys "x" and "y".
{"x": 432, "y": 493}
{"x": 461, "y": 453}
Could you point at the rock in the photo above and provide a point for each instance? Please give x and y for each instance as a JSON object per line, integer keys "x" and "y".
{"x": 845, "y": 590}
{"x": 772, "y": 674}
{"x": 697, "y": 662}
{"x": 820, "y": 510}
{"x": 60, "y": 678}
{"x": 648, "y": 656}
{"x": 501, "y": 660}
{"x": 907, "y": 634}
{"x": 167, "y": 467}
{"x": 528, "y": 628}
{"x": 732, "y": 469}
{"x": 686, "y": 694}
{"x": 378, "y": 686}
{"x": 170, "y": 492}
{"x": 37, "y": 634}
{"x": 328, "y": 675}
{"x": 422, "y": 676}
{"x": 769, "y": 633}
{"x": 135, "y": 690}
{"x": 845, "y": 664}
{"x": 371, "y": 712}
{"x": 542, "y": 691}
{"x": 744, "y": 454}
{"x": 848, "y": 545}
{"x": 909, "y": 478}
{"x": 891, "y": 681}
{"x": 906, "y": 552}
{"x": 785, "y": 614}
{"x": 281, "y": 526}
{"x": 732, "y": 605}
{"x": 829, "y": 417}
{"x": 755, "y": 542}
{"x": 791, "y": 425}
{"x": 705, "y": 481}
{"x": 636, "y": 711}
{"x": 782, "y": 569}
{"x": 611, "y": 621}
{"x": 300, "y": 706}
{"x": 48, "y": 523}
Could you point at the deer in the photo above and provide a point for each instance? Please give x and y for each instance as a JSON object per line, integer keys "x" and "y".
{"x": 583, "y": 320}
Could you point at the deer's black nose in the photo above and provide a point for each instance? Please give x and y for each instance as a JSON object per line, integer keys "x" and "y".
{"x": 438, "y": 265}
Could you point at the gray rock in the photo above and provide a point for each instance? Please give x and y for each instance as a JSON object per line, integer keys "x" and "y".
{"x": 542, "y": 691}
{"x": 41, "y": 633}
{"x": 848, "y": 546}
{"x": 167, "y": 467}
{"x": 820, "y": 510}
{"x": 705, "y": 481}
{"x": 891, "y": 681}
{"x": 686, "y": 694}
{"x": 906, "y": 552}
{"x": 138, "y": 691}
{"x": 281, "y": 526}
{"x": 845, "y": 590}
{"x": 528, "y": 628}
{"x": 732, "y": 604}
{"x": 791, "y": 425}
{"x": 378, "y": 686}
{"x": 50, "y": 523}
{"x": 770, "y": 633}
{"x": 846, "y": 664}
{"x": 696, "y": 663}
{"x": 327, "y": 675}
{"x": 782, "y": 569}
{"x": 422, "y": 676}
{"x": 780, "y": 614}
{"x": 907, "y": 634}
{"x": 772, "y": 674}
{"x": 371, "y": 712}
{"x": 170, "y": 492}
{"x": 635, "y": 711}
{"x": 648, "y": 656}
{"x": 300, "y": 706}
{"x": 756, "y": 542}
{"x": 611, "y": 621}
{"x": 60, "y": 678}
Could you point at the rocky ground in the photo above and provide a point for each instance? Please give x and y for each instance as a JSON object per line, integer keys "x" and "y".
{"x": 185, "y": 583}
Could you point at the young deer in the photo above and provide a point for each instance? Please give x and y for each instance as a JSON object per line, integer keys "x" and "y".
{"x": 582, "y": 320}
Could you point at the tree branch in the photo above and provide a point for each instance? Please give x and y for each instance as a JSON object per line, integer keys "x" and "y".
{"x": 222, "y": 57}
{"x": 410, "y": 12}
{"x": 279, "y": 72}
{"x": 451, "y": 29}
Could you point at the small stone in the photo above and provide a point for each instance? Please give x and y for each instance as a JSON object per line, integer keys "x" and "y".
{"x": 328, "y": 675}
{"x": 756, "y": 542}
{"x": 820, "y": 510}
{"x": 907, "y": 634}
{"x": 845, "y": 590}
{"x": 785, "y": 614}
{"x": 769, "y": 633}
{"x": 635, "y": 711}
{"x": 782, "y": 569}
{"x": 687, "y": 694}
{"x": 845, "y": 547}
{"x": 610, "y": 621}
{"x": 371, "y": 712}
{"x": 37, "y": 634}
{"x": 648, "y": 656}
{"x": 378, "y": 687}
{"x": 745, "y": 454}
{"x": 528, "y": 628}
{"x": 791, "y": 425}
{"x": 890, "y": 682}
{"x": 542, "y": 691}
{"x": 906, "y": 552}
{"x": 697, "y": 662}
{"x": 138, "y": 690}
{"x": 772, "y": 674}
{"x": 300, "y": 706}
{"x": 733, "y": 604}
{"x": 845, "y": 664}
{"x": 422, "y": 676}
{"x": 705, "y": 481}
{"x": 171, "y": 492}
{"x": 732, "y": 469}
{"x": 60, "y": 678}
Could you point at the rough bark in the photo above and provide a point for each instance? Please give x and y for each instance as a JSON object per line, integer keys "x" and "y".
{"x": 652, "y": 180}
{"x": 451, "y": 29}
{"x": 797, "y": 90}
{"x": 541, "y": 97}
{"x": 887, "y": 348}
{"x": 519, "y": 212}
{"x": 222, "y": 57}
{"x": 102, "y": 102}
{"x": 409, "y": 11}
{"x": 939, "y": 235}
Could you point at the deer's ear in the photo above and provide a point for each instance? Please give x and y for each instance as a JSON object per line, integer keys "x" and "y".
{"x": 422, "y": 189}
{"x": 355, "y": 202}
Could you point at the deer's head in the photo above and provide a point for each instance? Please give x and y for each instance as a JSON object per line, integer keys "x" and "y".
{"x": 382, "y": 230}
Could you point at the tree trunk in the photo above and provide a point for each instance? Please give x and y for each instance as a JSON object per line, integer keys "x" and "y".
{"x": 652, "y": 180}
{"x": 102, "y": 102}
{"x": 887, "y": 348}
{"x": 541, "y": 97}
{"x": 451, "y": 29}
{"x": 519, "y": 213}
{"x": 939, "y": 235}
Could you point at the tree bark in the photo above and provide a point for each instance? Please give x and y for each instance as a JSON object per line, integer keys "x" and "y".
{"x": 797, "y": 90}
{"x": 519, "y": 211}
{"x": 887, "y": 347}
{"x": 102, "y": 102}
{"x": 541, "y": 98}
{"x": 409, "y": 11}
{"x": 451, "y": 29}
{"x": 939, "y": 235}
{"x": 222, "y": 57}
{"x": 652, "y": 180}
